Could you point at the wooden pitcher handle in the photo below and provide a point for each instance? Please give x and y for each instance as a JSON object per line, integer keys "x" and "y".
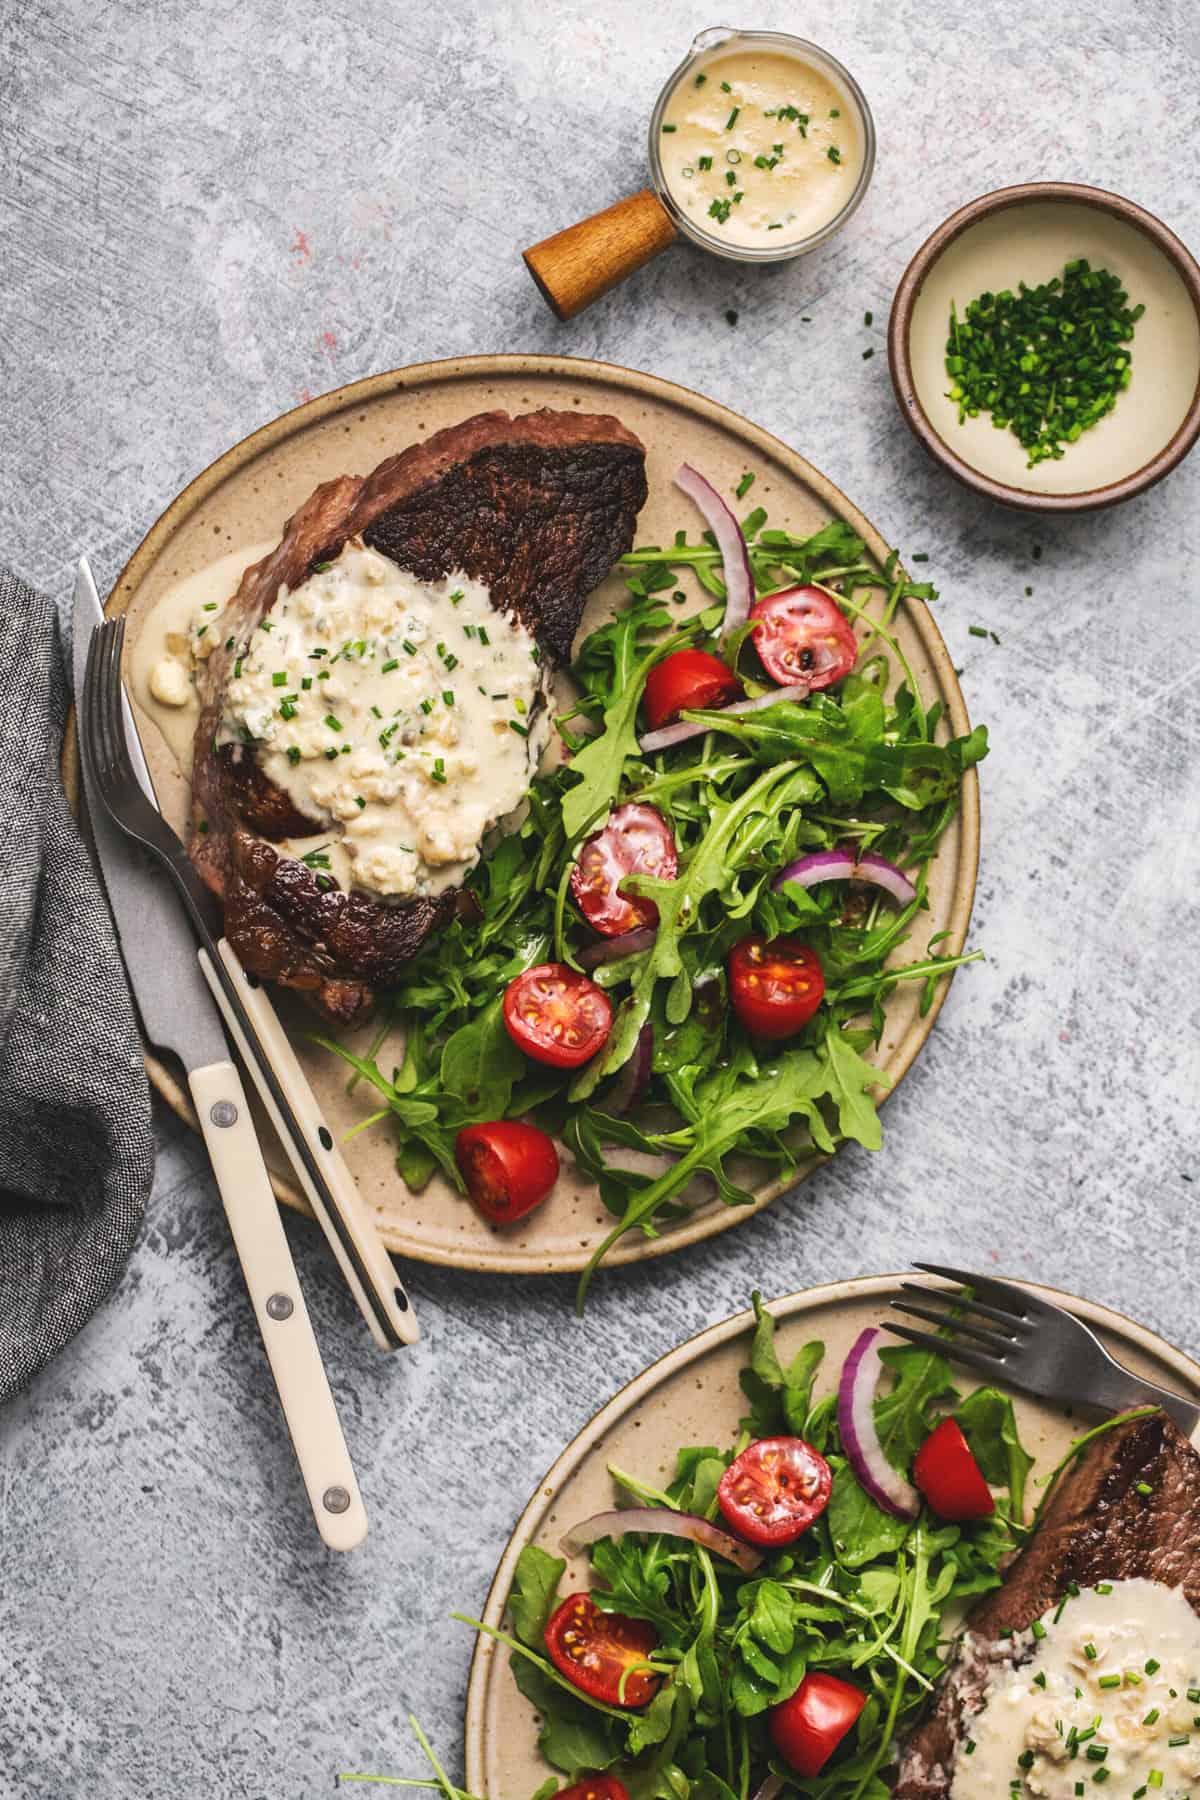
{"x": 576, "y": 266}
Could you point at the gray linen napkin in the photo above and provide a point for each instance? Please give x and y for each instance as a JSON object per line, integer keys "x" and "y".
{"x": 76, "y": 1148}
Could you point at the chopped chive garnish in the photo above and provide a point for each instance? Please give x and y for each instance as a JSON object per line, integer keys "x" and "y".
{"x": 483, "y": 636}
{"x": 744, "y": 485}
{"x": 438, "y": 771}
{"x": 293, "y": 754}
{"x": 731, "y": 121}
{"x": 456, "y": 596}
{"x": 700, "y": 80}
{"x": 393, "y": 662}
{"x": 1153, "y": 1666}
{"x": 427, "y": 707}
{"x": 288, "y": 709}
{"x": 868, "y": 354}
{"x": 359, "y": 802}
{"x": 1143, "y": 1488}
{"x": 670, "y": 127}
{"x": 279, "y": 678}
{"x": 333, "y": 724}
{"x": 834, "y": 154}
{"x": 1090, "y": 1651}
{"x": 977, "y": 630}
{"x": 868, "y": 318}
{"x": 1038, "y": 1629}
{"x": 1110, "y": 1681}
{"x": 521, "y": 730}
{"x": 408, "y": 647}
{"x": 448, "y": 696}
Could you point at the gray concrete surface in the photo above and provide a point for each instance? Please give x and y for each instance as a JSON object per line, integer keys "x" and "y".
{"x": 209, "y": 211}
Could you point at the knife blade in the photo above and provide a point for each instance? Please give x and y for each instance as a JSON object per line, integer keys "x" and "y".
{"x": 264, "y": 1048}
{"x": 157, "y": 943}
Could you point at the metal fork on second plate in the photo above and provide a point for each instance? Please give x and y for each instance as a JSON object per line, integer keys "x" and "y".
{"x": 1015, "y": 1337}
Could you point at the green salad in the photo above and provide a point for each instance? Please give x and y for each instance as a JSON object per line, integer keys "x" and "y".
{"x": 777, "y": 1634}
{"x": 685, "y": 949}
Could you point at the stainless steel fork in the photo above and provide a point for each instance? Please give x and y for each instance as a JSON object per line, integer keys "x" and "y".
{"x": 1016, "y": 1338}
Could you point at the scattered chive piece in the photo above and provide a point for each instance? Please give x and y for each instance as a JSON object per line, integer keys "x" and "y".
{"x": 360, "y": 802}
{"x": 725, "y": 88}
{"x": 521, "y": 730}
{"x": 704, "y": 162}
{"x": 1153, "y": 1666}
{"x": 744, "y": 485}
{"x": 835, "y": 112}
{"x": 670, "y": 128}
{"x": 977, "y": 630}
{"x": 731, "y": 121}
{"x": 448, "y": 696}
{"x": 333, "y": 724}
{"x": 427, "y": 707}
{"x": 1152, "y": 1717}
{"x": 279, "y": 678}
{"x": 306, "y": 682}
{"x": 868, "y": 318}
{"x": 1178, "y": 1743}
{"x": 920, "y": 556}
{"x": 1143, "y": 1488}
{"x": 483, "y": 636}
{"x": 1038, "y": 1629}
{"x": 1039, "y": 1679}
{"x": 393, "y": 662}
{"x": 1104, "y": 1587}
{"x": 1090, "y": 1651}
{"x": 409, "y": 648}
{"x": 288, "y": 709}
{"x": 1110, "y": 1681}
{"x": 456, "y": 596}
{"x": 293, "y": 754}
{"x": 731, "y": 317}
{"x": 700, "y": 80}
{"x": 438, "y": 771}
{"x": 1096, "y": 1752}
{"x": 867, "y": 355}
{"x": 834, "y": 154}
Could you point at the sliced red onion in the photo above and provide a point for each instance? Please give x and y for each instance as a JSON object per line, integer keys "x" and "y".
{"x": 885, "y": 1485}
{"x": 628, "y": 943}
{"x": 735, "y": 557}
{"x": 629, "y": 1083}
{"x": 841, "y": 865}
{"x": 688, "y": 728}
{"x": 668, "y": 1524}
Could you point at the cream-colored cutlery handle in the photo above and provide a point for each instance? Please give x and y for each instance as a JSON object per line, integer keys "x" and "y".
{"x": 352, "y": 1234}
{"x": 266, "y": 1259}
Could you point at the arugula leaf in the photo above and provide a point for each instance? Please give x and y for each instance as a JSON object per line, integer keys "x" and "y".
{"x": 534, "y": 1593}
{"x": 779, "y": 1401}
{"x": 989, "y": 1425}
{"x": 573, "y": 1737}
{"x": 902, "y": 1417}
{"x": 480, "y": 1064}
{"x": 849, "y": 1080}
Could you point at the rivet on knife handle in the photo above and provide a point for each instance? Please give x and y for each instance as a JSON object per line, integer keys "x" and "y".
{"x": 279, "y": 1308}
{"x": 335, "y": 1198}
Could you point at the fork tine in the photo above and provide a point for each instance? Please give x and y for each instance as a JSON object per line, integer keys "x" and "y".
{"x": 1004, "y": 1294}
{"x": 992, "y": 1340}
{"x": 1009, "y": 1320}
{"x": 979, "y": 1360}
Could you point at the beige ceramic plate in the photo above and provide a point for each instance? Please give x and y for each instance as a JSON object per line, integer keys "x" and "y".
{"x": 245, "y": 497}
{"x": 691, "y": 1396}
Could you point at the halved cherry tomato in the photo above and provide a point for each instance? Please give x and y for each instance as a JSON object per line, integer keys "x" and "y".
{"x": 509, "y": 1167}
{"x": 807, "y": 1729}
{"x": 594, "y": 1649}
{"x": 775, "y": 986}
{"x": 950, "y": 1478}
{"x": 556, "y": 1015}
{"x": 803, "y": 635}
{"x": 688, "y": 678}
{"x": 774, "y": 1490}
{"x": 595, "y": 1787}
{"x": 636, "y": 841}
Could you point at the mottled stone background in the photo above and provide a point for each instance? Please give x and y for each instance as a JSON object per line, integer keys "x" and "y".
{"x": 210, "y": 211}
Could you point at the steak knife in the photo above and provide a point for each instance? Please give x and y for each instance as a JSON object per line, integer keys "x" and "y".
{"x": 282, "y": 1084}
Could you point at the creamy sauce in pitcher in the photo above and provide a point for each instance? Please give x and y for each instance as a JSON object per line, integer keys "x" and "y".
{"x": 1107, "y": 1680}
{"x": 759, "y": 147}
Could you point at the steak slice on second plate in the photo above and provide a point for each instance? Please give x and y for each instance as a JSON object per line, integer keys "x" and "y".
{"x": 1096, "y": 1527}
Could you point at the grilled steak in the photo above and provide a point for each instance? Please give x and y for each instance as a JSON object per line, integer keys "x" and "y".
{"x": 1097, "y": 1527}
{"x": 538, "y": 508}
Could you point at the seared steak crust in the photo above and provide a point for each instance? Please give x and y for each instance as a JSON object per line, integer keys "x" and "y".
{"x": 1097, "y": 1527}
{"x": 538, "y": 508}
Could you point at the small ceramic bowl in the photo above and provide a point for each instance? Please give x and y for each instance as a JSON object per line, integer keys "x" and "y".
{"x": 1027, "y": 234}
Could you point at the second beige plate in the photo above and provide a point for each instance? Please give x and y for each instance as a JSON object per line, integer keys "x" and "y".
{"x": 243, "y": 500}
{"x": 691, "y": 1396}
